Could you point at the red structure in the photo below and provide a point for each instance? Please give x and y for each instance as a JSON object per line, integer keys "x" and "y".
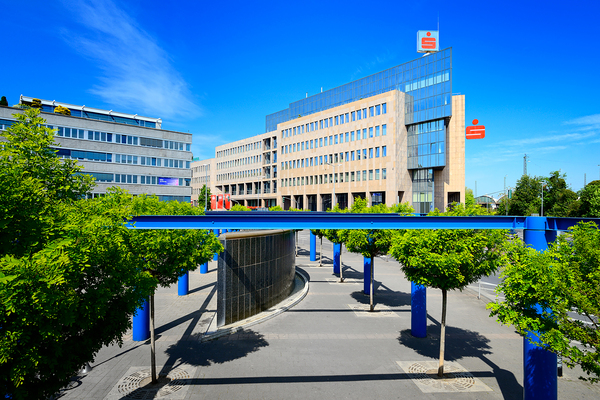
{"x": 476, "y": 131}
{"x": 213, "y": 202}
{"x": 227, "y": 202}
{"x": 428, "y": 42}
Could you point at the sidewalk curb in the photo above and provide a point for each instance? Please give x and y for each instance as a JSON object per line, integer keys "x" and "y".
{"x": 213, "y": 332}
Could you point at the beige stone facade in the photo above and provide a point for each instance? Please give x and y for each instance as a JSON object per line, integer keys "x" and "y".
{"x": 308, "y": 158}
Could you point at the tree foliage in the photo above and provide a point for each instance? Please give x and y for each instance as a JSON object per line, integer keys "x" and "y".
{"x": 542, "y": 289}
{"x": 449, "y": 259}
{"x": 71, "y": 273}
{"x": 276, "y": 208}
{"x": 204, "y": 198}
{"x": 590, "y": 200}
{"x": 526, "y": 198}
{"x": 239, "y": 207}
{"x": 33, "y": 183}
{"x": 3, "y": 101}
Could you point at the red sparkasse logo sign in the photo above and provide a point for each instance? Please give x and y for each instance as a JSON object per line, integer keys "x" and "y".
{"x": 428, "y": 41}
{"x": 476, "y": 131}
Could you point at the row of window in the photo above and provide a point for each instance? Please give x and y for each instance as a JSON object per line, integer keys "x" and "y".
{"x": 239, "y": 149}
{"x": 141, "y": 179}
{"x": 240, "y": 174}
{"x": 336, "y": 120}
{"x": 335, "y": 139}
{"x": 240, "y": 161}
{"x": 121, "y": 158}
{"x": 354, "y": 155}
{"x": 118, "y": 138}
{"x": 351, "y": 176}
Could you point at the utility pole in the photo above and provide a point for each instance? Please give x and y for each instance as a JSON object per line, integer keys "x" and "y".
{"x": 505, "y": 196}
{"x": 525, "y": 164}
{"x": 584, "y": 180}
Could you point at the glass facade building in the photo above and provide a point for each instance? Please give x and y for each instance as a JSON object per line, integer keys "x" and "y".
{"x": 428, "y": 81}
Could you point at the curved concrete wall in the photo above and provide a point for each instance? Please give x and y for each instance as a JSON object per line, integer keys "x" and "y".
{"x": 255, "y": 271}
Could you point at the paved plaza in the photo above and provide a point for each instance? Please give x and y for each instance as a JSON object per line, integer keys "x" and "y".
{"x": 325, "y": 346}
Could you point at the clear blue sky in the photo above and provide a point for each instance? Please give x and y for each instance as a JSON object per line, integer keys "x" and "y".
{"x": 530, "y": 70}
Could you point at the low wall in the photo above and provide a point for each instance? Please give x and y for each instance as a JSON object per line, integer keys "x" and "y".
{"x": 255, "y": 271}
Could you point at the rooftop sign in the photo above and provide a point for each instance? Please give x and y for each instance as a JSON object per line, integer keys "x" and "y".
{"x": 428, "y": 41}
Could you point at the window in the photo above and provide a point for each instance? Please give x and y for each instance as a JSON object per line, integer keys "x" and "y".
{"x": 336, "y": 120}
{"x": 383, "y": 173}
{"x": 364, "y": 175}
{"x": 311, "y": 144}
{"x": 347, "y": 118}
{"x": 383, "y": 130}
{"x": 352, "y": 136}
{"x": 365, "y": 133}
{"x": 352, "y": 176}
{"x": 377, "y": 174}
{"x": 364, "y": 154}
{"x": 384, "y": 110}
{"x": 384, "y": 151}
{"x": 352, "y": 155}
{"x": 347, "y": 135}
{"x": 358, "y": 154}
{"x": 371, "y": 152}
{"x": 364, "y": 113}
{"x": 377, "y": 131}
{"x": 371, "y": 132}
{"x": 321, "y": 142}
{"x": 370, "y": 174}
{"x": 358, "y": 176}
{"x": 336, "y": 139}
{"x": 359, "y": 115}
{"x": 353, "y": 116}
{"x": 371, "y": 111}
{"x": 377, "y": 152}
{"x": 377, "y": 110}
{"x": 347, "y": 156}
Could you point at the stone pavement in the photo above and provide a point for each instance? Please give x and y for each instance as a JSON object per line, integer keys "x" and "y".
{"x": 326, "y": 346}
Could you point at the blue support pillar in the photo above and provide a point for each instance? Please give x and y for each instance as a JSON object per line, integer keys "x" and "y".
{"x": 141, "y": 323}
{"x": 216, "y": 256}
{"x": 337, "y": 249}
{"x": 313, "y": 247}
{"x": 418, "y": 310}
{"x": 367, "y": 275}
{"x": 183, "y": 284}
{"x": 204, "y": 268}
{"x": 539, "y": 366}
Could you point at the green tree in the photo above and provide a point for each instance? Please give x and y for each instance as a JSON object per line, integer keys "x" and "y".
{"x": 373, "y": 242}
{"x": 337, "y": 236}
{"x": 590, "y": 200}
{"x": 165, "y": 254}
{"x": 63, "y": 301}
{"x": 319, "y": 233}
{"x": 204, "y": 198}
{"x": 33, "y": 182}
{"x": 542, "y": 289}
{"x": 469, "y": 197}
{"x": 239, "y": 207}
{"x": 449, "y": 259}
{"x": 3, "y": 101}
{"x": 526, "y": 198}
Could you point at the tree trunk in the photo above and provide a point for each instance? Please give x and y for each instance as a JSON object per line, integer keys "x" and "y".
{"x": 443, "y": 334}
{"x": 341, "y": 266}
{"x": 371, "y": 294}
{"x": 152, "y": 341}
{"x": 321, "y": 253}
{"x": 296, "y": 244}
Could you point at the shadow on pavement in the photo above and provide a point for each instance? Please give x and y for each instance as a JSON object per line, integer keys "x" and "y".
{"x": 461, "y": 343}
{"x": 219, "y": 351}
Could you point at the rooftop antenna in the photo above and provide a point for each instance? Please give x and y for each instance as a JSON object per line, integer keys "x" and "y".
{"x": 307, "y": 95}
{"x": 525, "y": 164}
{"x": 321, "y": 89}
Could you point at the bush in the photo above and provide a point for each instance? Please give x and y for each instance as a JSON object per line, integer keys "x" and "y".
{"x": 62, "y": 110}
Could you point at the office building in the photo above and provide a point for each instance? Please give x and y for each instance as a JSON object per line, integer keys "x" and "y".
{"x": 395, "y": 136}
{"x": 118, "y": 149}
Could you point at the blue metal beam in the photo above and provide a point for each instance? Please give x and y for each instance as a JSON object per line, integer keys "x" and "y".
{"x": 325, "y": 220}
{"x": 321, "y": 220}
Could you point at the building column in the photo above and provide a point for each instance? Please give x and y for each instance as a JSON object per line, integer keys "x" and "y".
{"x": 141, "y": 323}
{"x": 418, "y": 310}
